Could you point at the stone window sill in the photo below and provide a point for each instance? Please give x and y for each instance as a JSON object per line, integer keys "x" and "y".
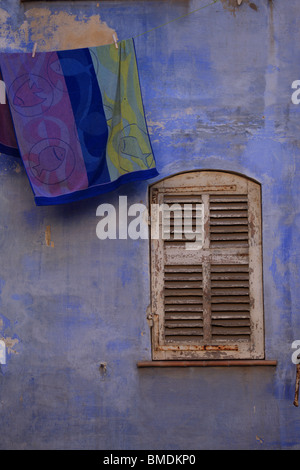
{"x": 208, "y": 363}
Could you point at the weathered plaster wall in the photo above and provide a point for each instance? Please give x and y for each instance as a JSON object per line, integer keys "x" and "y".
{"x": 217, "y": 94}
{"x": 59, "y": 27}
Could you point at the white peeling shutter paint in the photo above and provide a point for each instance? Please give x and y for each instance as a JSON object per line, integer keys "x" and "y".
{"x": 207, "y": 297}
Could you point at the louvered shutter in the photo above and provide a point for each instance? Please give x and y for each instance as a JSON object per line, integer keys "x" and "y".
{"x": 207, "y": 294}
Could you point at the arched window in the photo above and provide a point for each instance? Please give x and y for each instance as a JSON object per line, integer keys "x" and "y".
{"x": 206, "y": 267}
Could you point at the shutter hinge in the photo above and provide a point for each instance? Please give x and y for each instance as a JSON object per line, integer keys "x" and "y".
{"x": 150, "y": 320}
{"x": 149, "y": 317}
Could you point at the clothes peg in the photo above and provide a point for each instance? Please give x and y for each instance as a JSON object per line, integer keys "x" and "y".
{"x": 34, "y": 49}
{"x": 115, "y": 41}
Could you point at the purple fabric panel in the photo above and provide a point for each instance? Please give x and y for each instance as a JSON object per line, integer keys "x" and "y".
{"x": 7, "y": 132}
{"x": 44, "y": 123}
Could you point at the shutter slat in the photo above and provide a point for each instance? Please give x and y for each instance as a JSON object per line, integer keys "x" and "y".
{"x": 183, "y": 292}
{"x": 184, "y": 331}
{"x": 228, "y": 221}
{"x": 183, "y": 323}
{"x": 183, "y": 269}
{"x": 182, "y": 199}
{"x": 183, "y": 316}
{"x": 226, "y": 277}
{"x": 183, "y": 308}
{"x": 215, "y": 292}
{"x": 227, "y": 331}
{"x": 230, "y": 283}
{"x": 232, "y": 236}
{"x": 183, "y": 277}
{"x": 230, "y": 243}
{"x": 228, "y": 205}
{"x": 230, "y": 307}
{"x": 228, "y": 198}
{"x": 231, "y": 268}
{"x": 228, "y": 229}
{"x": 189, "y": 284}
{"x": 229, "y": 322}
{"x": 227, "y": 213}
{"x": 230, "y": 315}
{"x": 180, "y": 214}
{"x": 230, "y": 299}
{"x": 183, "y": 300}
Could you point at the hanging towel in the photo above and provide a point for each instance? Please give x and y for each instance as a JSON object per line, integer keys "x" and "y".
{"x": 79, "y": 120}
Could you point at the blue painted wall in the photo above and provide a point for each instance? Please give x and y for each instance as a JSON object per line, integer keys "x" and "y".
{"x": 217, "y": 94}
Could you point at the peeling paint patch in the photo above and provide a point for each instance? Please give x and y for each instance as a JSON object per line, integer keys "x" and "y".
{"x": 154, "y": 126}
{"x": 10, "y": 344}
{"x": 61, "y": 30}
{"x": 54, "y": 30}
{"x": 19, "y": 36}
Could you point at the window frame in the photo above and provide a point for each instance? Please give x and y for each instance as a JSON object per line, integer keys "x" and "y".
{"x": 207, "y": 182}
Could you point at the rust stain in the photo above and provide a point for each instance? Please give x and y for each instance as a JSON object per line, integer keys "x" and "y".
{"x": 221, "y": 348}
{"x": 253, "y": 6}
{"x": 48, "y": 237}
{"x": 200, "y": 348}
{"x": 18, "y": 168}
{"x": 296, "y": 399}
{"x": 230, "y": 5}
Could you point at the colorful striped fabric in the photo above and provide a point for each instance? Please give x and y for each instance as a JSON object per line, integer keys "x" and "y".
{"x": 79, "y": 120}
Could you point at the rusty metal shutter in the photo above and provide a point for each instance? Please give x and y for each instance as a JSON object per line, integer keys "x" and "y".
{"x": 207, "y": 299}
